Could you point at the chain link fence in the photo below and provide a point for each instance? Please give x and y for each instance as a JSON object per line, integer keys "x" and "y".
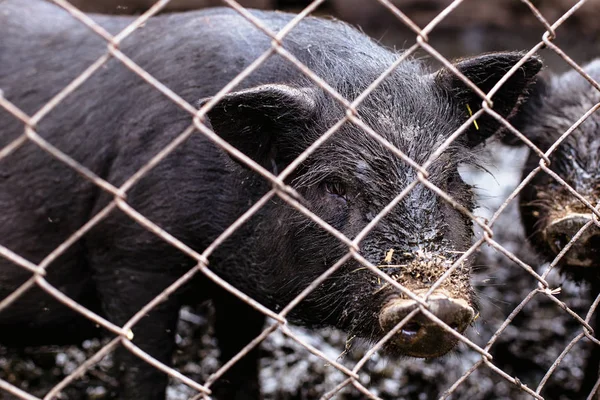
{"x": 349, "y": 376}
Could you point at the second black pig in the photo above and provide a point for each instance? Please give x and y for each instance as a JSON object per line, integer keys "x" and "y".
{"x": 115, "y": 122}
{"x": 551, "y": 213}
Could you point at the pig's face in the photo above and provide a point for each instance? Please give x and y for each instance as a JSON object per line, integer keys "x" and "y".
{"x": 351, "y": 178}
{"x": 551, "y": 213}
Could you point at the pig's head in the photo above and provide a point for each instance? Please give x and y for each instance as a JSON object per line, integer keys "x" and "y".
{"x": 351, "y": 178}
{"x": 552, "y": 215}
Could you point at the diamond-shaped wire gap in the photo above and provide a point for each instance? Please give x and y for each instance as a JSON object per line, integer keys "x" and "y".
{"x": 301, "y": 208}
{"x": 398, "y": 198}
{"x": 286, "y": 331}
{"x": 57, "y": 99}
{"x": 182, "y": 103}
{"x": 292, "y": 304}
{"x": 353, "y": 249}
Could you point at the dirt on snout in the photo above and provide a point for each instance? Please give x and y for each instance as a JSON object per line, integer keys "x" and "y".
{"x": 424, "y": 271}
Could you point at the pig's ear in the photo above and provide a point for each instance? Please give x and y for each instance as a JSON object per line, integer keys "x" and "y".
{"x": 529, "y": 111}
{"x": 485, "y": 71}
{"x": 261, "y": 121}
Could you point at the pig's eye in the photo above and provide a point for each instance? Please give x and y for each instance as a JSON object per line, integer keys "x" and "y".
{"x": 336, "y": 188}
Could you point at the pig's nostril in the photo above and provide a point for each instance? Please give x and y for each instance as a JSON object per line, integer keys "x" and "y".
{"x": 561, "y": 240}
{"x": 410, "y": 330}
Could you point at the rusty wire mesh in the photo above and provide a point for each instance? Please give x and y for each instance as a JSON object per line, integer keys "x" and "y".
{"x": 126, "y": 332}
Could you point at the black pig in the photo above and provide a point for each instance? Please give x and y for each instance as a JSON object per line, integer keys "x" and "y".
{"x": 551, "y": 214}
{"x": 115, "y": 122}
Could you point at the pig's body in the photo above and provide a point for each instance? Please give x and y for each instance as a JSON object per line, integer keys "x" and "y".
{"x": 114, "y": 123}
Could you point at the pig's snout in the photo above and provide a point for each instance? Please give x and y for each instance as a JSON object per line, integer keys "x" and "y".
{"x": 584, "y": 252}
{"x": 421, "y": 336}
